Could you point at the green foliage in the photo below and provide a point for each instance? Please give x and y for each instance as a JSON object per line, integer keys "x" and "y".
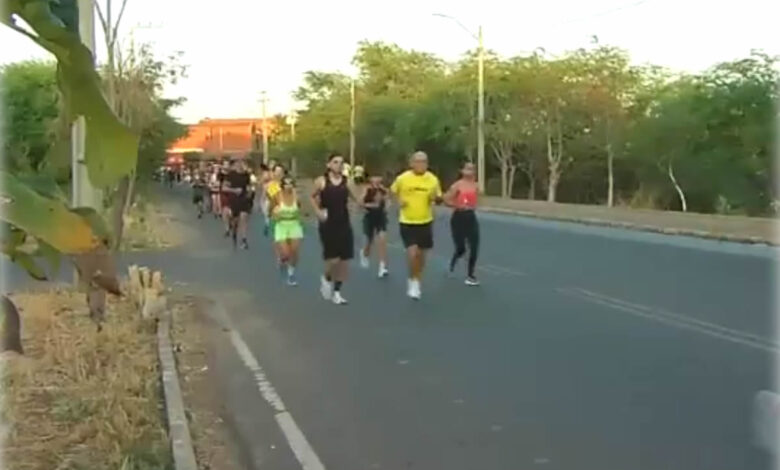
{"x": 110, "y": 148}
{"x": 565, "y": 117}
{"x": 28, "y": 91}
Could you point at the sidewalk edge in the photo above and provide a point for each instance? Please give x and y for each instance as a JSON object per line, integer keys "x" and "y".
{"x": 178, "y": 428}
{"x": 745, "y": 239}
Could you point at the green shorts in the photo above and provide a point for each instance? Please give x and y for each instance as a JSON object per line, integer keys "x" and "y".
{"x": 287, "y": 230}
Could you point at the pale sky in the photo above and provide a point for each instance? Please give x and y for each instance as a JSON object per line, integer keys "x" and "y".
{"x": 236, "y": 48}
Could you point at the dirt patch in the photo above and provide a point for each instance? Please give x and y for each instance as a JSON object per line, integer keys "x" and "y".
{"x": 80, "y": 399}
{"x": 191, "y": 333}
{"x": 152, "y": 225}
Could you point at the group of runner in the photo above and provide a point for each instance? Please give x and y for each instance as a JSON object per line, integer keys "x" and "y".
{"x": 231, "y": 191}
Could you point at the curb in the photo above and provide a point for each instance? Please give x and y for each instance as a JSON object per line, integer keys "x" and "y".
{"x": 178, "y": 429}
{"x": 745, "y": 239}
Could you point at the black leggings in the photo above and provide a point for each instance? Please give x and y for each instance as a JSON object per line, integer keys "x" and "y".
{"x": 465, "y": 229}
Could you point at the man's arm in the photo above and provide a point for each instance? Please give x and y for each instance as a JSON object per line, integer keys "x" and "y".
{"x": 437, "y": 195}
{"x": 319, "y": 184}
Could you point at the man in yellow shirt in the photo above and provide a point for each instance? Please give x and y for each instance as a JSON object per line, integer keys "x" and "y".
{"x": 417, "y": 190}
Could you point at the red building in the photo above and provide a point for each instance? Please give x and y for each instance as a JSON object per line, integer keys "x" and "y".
{"x": 219, "y": 138}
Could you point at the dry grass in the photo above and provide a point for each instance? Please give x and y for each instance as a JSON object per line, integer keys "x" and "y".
{"x": 148, "y": 226}
{"x": 80, "y": 399}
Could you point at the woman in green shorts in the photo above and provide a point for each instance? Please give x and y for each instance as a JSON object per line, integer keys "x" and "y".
{"x": 288, "y": 229}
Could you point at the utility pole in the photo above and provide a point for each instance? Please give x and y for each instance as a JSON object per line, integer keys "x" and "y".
{"x": 481, "y": 116}
{"x": 264, "y": 101}
{"x": 352, "y": 124}
{"x": 480, "y": 100}
{"x": 292, "y": 118}
{"x": 84, "y": 194}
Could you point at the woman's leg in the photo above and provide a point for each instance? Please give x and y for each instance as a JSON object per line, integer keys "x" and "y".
{"x": 458, "y": 238}
{"x": 473, "y": 242}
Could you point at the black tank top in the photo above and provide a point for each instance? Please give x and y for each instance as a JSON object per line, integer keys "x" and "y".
{"x": 371, "y": 193}
{"x": 333, "y": 198}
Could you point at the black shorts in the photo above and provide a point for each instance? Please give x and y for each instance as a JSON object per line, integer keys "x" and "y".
{"x": 197, "y": 198}
{"x": 419, "y": 235}
{"x": 373, "y": 223}
{"x": 239, "y": 204}
{"x": 337, "y": 240}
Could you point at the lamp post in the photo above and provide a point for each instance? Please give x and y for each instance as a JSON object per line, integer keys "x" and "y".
{"x": 292, "y": 118}
{"x": 480, "y": 100}
{"x": 264, "y": 101}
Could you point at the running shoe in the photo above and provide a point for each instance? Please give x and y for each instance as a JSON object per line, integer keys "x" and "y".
{"x": 364, "y": 261}
{"x": 338, "y": 299}
{"x": 383, "y": 272}
{"x": 326, "y": 289}
{"x": 291, "y": 280}
{"x": 244, "y": 244}
{"x": 416, "y": 290}
{"x": 471, "y": 281}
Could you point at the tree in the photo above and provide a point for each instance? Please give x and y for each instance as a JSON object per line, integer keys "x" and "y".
{"x": 31, "y": 107}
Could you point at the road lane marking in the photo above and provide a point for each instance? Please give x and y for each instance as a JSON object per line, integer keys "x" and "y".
{"x": 674, "y": 320}
{"x": 300, "y": 446}
{"x": 675, "y": 316}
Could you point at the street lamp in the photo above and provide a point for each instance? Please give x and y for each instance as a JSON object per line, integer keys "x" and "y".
{"x": 292, "y": 118}
{"x": 264, "y": 101}
{"x": 480, "y": 101}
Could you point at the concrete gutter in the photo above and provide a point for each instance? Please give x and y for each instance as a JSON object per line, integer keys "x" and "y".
{"x": 639, "y": 227}
{"x": 178, "y": 429}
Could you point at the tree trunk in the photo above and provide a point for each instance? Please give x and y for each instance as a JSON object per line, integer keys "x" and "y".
{"x": 504, "y": 176}
{"x": 552, "y": 184}
{"x": 680, "y": 192}
{"x": 531, "y": 187}
{"x": 511, "y": 185}
{"x": 118, "y": 216}
{"x": 610, "y": 177}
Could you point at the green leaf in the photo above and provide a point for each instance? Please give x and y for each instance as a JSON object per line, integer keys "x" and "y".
{"x": 43, "y": 184}
{"x": 96, "y": 222}
{"x": 28, "y": 263}
{"x": 111, "y": 149}
{"x": 50, "y": 254}
{"x": 46, "y": 219}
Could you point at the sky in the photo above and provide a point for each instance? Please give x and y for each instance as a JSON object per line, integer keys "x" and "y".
{"x": 234, "y": 49}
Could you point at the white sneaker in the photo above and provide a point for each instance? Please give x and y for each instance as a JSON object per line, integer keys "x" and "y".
{"x": 410, "y": 288}
{"x": 338, "y": 299}
{"x": 472, "y": 281}
{"x": 364, "y": 261}
{"x": 414, "y": 289}
{"x": 326, "y": 288}
{"x": 383, "y": 272}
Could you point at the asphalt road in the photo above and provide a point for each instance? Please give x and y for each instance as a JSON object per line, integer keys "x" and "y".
{"x": 584, "y": 348}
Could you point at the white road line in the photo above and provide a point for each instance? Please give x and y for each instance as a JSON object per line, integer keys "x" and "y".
{"x": 295, "y": 438}
{"x": 675, "y": 316}
{"x": 676, "y": 322}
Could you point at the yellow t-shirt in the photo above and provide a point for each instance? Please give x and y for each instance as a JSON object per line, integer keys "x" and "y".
{"x": 272, "y": 188}
{"x": 417, "y": 193}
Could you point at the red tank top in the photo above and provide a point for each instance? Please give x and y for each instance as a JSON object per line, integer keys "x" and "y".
{"x": 467, "y": 199}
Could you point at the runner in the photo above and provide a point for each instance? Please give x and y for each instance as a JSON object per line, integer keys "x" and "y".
{"x": 288, "y": 230}
{"x": 214, "y": 191}
{"x": 237, "y": 185}
{"x": 329, "y": 199}
{"x": 375, "y": 223}
{"x": 263, "y": 180}
{"x": 199, "y": 190}
{"x": 272, "y": 190}
{"x": 417, "y": 190}
{"x": 462, "y": 196}
{"x": 224, "y": 195}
